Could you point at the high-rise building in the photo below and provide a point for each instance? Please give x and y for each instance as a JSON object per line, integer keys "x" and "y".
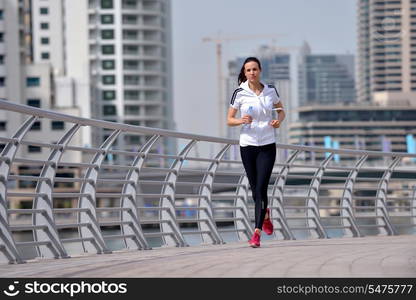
{"x": 105, "y": 59}
{"x": 59, "y": 41}
{"x": 12, "y": 52}
{"x": 386, "y": 66}
{"x": 131, "y": 63}
{"x": 28, "y": 78}
{"x": 325, "y": 78}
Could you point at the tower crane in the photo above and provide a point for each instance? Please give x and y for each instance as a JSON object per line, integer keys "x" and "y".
{"x": 218, "y": 40}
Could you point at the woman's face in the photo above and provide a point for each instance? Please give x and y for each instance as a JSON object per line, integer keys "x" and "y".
{"x": 252, "y": 72}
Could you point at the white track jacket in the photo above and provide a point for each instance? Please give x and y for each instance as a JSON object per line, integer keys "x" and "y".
{"x": 259, "y": 132}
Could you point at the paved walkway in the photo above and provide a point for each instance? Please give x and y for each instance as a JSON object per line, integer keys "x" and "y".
{"x": 347, "y": 257}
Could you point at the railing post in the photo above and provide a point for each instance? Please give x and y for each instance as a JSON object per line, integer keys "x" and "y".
{"x": 413, "y": 205}
{"x": 9, "y": 152}
{"x": 130, "y": 202}
{"x": 276, "y": 201}
{"x": 242, "y": 224}
{"x": 206, "y": 202}
{"x": 381, "y": 199}
{"x": 88, "y": 199}
{"x": 347, "y": 212}
{"x": 312, "y": 201}
{"x": 45, "y": 202}
{"x": 167, "y": 215}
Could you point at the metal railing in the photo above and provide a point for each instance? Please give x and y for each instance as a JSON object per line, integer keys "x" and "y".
{"x": 67, "y": 198}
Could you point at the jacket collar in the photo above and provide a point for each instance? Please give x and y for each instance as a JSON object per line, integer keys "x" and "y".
{"x": 244, "y": 86}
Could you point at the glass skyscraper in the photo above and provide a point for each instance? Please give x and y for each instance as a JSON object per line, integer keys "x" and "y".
{"x": 325, "y": 79}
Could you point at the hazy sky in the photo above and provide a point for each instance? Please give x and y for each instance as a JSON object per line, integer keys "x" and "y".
{"x": 329, "y": 26}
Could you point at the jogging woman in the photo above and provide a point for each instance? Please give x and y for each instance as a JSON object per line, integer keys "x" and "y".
{"x": 256, "y": 102}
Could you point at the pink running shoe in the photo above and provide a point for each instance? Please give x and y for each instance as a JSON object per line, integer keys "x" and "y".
{"x": 255, "y": 240}
{"x": 267, "y": 224}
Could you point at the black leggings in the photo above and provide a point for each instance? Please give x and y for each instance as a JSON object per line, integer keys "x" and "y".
{"x": 258, "y": 162}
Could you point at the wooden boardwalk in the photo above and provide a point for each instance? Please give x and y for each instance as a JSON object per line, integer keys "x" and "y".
{"x": 377, "y": 256}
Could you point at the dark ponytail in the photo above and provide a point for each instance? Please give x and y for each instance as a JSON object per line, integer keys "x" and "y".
{"x": 241, "y": 76}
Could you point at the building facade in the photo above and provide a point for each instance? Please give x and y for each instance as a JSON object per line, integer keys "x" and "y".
{"x": 360, "y": 127}
{"x": 386, "y": 54}
{"x": 103, "y": 59}
{"x": 28, "y": 78}
{"x": 325, "y": 79}
{"x": 131, "y": 64}
{"x": 106, "y": 59}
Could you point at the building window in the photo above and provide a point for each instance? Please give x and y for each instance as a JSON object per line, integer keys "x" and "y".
{"x": 107, "y": 4}
{"x": 92, "y": 3}
{"x": 1, "y": 59}
{"x": 92, "y": 19}
{"x": 130, "y": 64}
{"x": 1, "y": 37}
{"x": 44, "y": 25}
{"x": 130, "y": 49}
{"x": 107, "y": 49}
{"x": 131, "y": 95}
{"x": 2, "y": 81}
{"x": 44, "y": 11}
{"x": 109, "y": 95}
{"x": 36, "y": 126}
{"x": 57, "y": 125}
{"x": 3, "y": 125}
{"x": 33, "y": 149}
{"x": 150, "y": 5}
{"x": 109, "y": 110}
{"x": 130, "y": 34}
{"x": 1, "y": 14}
{"x": 129, "y": 19}
{"x": 107, "y": 34}
{"x": 108, "y": 79}
{"x": 45, "y": 55}
{"x": 108, "y": 64}
{"x": 33, "y": 102}
{"x": 32, "y": 81}
{"x": 44, "y": 41}
{"x": 132, "y": 110}
{"x": 129, "y": 3}
{"x": 131, "y": 80}
{"x": 107, "y": 19}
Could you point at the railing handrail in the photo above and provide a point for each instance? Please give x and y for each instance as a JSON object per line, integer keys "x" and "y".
{"x": 44, "y": 113}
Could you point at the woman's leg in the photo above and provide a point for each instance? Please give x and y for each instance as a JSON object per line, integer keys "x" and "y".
{"x": 249, "y": 158}
{"x": 265, "y": 162}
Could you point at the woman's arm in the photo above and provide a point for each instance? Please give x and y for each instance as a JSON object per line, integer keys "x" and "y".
{"x": 280, "y": 115}
{"x": 233, "y": 121}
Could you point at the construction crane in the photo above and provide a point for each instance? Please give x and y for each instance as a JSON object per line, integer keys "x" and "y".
{"x": 218, "y": 40}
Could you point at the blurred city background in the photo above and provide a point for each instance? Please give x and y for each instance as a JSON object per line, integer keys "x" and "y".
{"x": 344, "y": 69}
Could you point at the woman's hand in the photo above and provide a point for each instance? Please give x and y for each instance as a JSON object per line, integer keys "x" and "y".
{"x": 275, "y": 123}
{"x": 246, "y": 119}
